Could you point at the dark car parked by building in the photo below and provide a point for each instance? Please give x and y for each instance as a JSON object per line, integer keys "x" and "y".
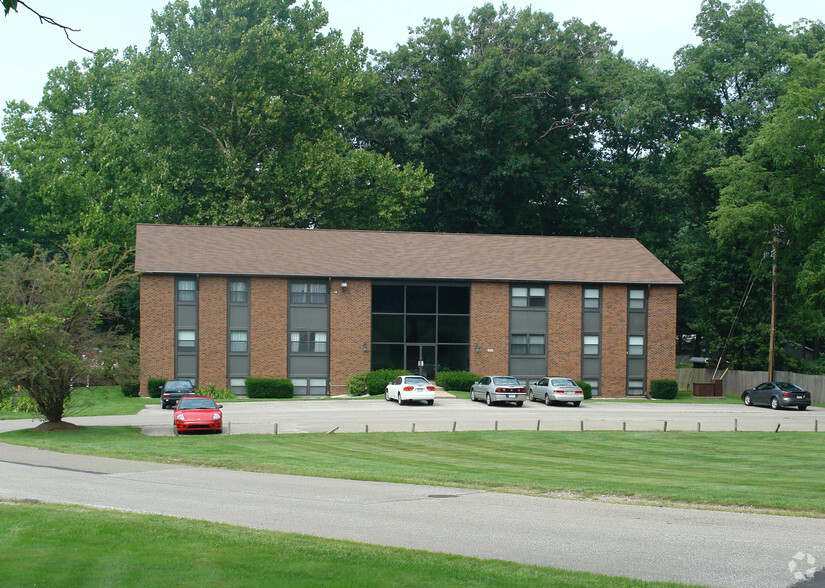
{"x": 174, "y": 390}
{"x": 777, "y": 395}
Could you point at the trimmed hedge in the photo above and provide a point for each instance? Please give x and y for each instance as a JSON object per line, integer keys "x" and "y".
{"x": 357, "y": 384}
{"x": 459, "y": 381}
{"x": 153, "y": 387}
{"x": 130, "y": 389}
{"x": 377, "y": 381}
{"x": 587, "y": 389}
{"x": 269, "y": 388}
{"x": 663, "y": 389}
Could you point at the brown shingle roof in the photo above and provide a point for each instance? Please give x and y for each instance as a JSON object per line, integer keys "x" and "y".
{"x": 179, "y": 249}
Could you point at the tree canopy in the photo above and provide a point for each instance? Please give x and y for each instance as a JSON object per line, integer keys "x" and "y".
{"x": 246, "y": 112}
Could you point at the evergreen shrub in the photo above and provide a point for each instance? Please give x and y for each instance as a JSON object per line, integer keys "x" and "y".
{"x": 377, "y": 381}
{"x": 269, "y": 388}
{"x": 153, "y": 387}
{"x": 459, "y": 381}
{"x": 357, "y": 384}
{"x": 663, "y": 389}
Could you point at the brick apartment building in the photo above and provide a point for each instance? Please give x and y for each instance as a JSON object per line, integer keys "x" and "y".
{"x": 219, "y": 304}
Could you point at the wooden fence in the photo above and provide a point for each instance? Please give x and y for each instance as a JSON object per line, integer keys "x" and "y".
{"x": 735, "y": 382}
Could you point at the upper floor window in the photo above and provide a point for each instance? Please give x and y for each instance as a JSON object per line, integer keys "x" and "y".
{"x": 636, "y": 299}
{"x": 635, "y": 345}
{"x": 592, "y": 298}
{"x": 590, "y": 345}
{"x": 187, "y": 290}
{"x": 308, "y": 293}
{"x": 238, "y": 341}
{"x": 527, "y": 297}
{"x": 186, "y": 340}
{"x": 527, "y": 344}
{"x": 238, "y": 292}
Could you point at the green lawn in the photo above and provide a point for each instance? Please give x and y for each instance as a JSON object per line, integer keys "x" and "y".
{"x": 781, "y": 472}
{"x": 41, "y": 548}
{"x": 94, "y": 401}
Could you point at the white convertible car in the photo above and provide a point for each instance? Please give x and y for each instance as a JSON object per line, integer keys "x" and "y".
{"x": 552, "y": 390}
{"x": 404, "y": 388}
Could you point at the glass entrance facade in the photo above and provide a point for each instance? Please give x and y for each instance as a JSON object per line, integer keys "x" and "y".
{"x": 423, "y": 328}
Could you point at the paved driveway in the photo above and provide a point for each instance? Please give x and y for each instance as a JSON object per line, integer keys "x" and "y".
{"x": 375, "y": 414}
{"x": 649, "y": 543}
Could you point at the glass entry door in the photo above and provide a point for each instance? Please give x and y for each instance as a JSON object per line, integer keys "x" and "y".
{"x": 420, "y": 360}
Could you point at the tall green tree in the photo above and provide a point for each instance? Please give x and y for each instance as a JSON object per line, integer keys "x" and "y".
{"x": 51, "y": 313}
{"x": 249, "y": 102}
{"x": 726, "y": 88}
{"x": 494, "y": 106}
{"x": 80, "y": 157}
{"x": 776, "y": 190}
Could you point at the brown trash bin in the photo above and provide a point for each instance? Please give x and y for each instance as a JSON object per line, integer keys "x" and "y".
{"x": 704, "y": 388}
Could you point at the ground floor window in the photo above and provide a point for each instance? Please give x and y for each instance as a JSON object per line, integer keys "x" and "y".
{"x": 309, "y": 386}
{"x": 635, "y": 387}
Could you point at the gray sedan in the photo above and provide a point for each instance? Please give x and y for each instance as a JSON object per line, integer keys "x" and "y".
{"x": 552, "y": 390}
{"x": 498, "y": 389}
{"x": 777, "y": 395}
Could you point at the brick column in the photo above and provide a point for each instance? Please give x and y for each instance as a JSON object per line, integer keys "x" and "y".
{"x": 212, "y": 336}
{"x": 661, "y": 333}
{"x": 564, "y": 330}
{"x": 614, "y": 341}
{"x": 157, "y": 328}
{"x": 350, "y": 326}
{"x": 490, "y": 328}
{"x": 268, "y": 337}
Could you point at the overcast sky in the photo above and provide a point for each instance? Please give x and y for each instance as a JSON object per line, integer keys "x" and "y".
{"x": 645, "y": 29}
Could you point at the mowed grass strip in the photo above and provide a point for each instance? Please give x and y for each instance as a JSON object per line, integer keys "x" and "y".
{"x": 782, "y": 471}
{"x": 94, "y": 401}
{"x": 53, "y": 545}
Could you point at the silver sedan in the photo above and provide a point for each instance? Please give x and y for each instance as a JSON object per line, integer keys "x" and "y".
{"x": 552, "y": 390}
{"x": 498, "y": 389}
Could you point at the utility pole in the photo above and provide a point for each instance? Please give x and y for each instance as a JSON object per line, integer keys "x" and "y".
{"x": 773, "y": 309}
{"x": 772, "y": 344}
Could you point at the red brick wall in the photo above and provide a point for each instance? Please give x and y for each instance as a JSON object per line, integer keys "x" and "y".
{"x": 212, "y": 331}
{"x": 614, "y": 341}
{"x": 157, "y": 328}
{"x": 350, "y": 325}
{"x": 661, "y": 334}
{"x": 490, "y": 328}
{"x": 564, "y": 330}
{"x": 268, "y": 338}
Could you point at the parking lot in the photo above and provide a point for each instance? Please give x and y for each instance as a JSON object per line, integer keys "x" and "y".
{"x": 345, "y": 415}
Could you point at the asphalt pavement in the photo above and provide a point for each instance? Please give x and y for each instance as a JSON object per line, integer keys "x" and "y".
{"x": 714, "y": 548}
